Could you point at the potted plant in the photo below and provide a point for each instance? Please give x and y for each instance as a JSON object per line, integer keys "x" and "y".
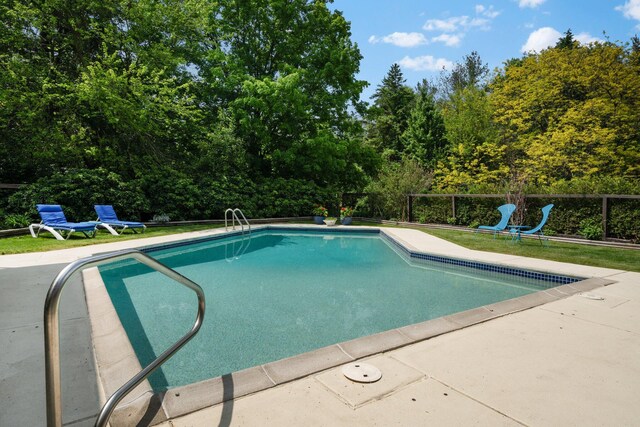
{"x": 330, "y": 220}
{"x": 319, "y": 214}
{"x": 346, "y": 214}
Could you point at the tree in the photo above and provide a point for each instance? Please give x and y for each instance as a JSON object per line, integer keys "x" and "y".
{"x": 471, "y": 72}
{"x": 424, "y": 139}
{"x": 388, "y": 192}
{"x": 571, "y": 113}
{"x": 90, "y": 83}
{"x": 475, "y": 154}
{"x": 285, "y": 71}
{"x": 568, "y": 41}
{"x": 390, "y": 113}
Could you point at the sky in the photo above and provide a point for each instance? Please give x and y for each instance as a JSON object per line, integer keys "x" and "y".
{"x": 423, "y": 36}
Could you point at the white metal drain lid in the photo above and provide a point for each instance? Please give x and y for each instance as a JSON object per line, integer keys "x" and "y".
{"x": 361, "y": 372}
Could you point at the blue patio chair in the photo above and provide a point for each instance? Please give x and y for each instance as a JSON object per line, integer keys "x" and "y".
{"x": 506, "y": 211}
{"x": 537, "y": 230}
{"x": 54, "y": 221}
{"x": 109, "y": 220}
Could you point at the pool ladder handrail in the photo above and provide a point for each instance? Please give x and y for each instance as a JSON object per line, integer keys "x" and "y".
{"x": 234, "y": 218}
{"x": 52, "y": 333}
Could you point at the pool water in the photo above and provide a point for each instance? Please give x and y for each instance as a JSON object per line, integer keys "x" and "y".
{"x": 281, "y": 293}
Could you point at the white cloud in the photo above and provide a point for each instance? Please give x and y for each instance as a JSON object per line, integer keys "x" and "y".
{"x": 541, "y": 39}
{"x": 586, "y": 38}
{"x": 489, "y": 12}
{"x": 446, "y": 25}
{"x": 530, "y": 3}
{"x": 631, "y": 9}
{"x": 425, "y": 63}
{"x": 401, "y": 39}
{"x": 449, "y": 39}
{"x": 462, "y": 24}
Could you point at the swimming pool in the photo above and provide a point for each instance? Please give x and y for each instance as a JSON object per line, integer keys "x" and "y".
{"x": 283, "y": 292}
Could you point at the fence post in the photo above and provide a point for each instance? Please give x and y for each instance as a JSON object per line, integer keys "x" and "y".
{"x": 605, "y": 208}
{"x": 410, "y": 207}
{"x": 453, "y": 206}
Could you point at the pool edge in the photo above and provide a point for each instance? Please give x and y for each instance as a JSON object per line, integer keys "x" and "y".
{"x": 158, "y": 407}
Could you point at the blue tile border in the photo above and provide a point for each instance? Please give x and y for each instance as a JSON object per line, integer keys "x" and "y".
{"x": 551, "y": 278}
{"x": 556, "y": 279}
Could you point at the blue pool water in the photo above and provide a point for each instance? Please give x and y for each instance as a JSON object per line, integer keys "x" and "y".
{"x": 280, "y": 293}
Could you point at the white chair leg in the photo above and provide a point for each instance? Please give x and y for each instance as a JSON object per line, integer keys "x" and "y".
{"x": 32, "y": 231}
{"x": 109, "y": 228}
{"x": 57, "y": 235}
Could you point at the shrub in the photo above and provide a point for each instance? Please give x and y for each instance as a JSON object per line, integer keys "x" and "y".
{"x": 624, "y": 219}
{"x": 171, "y": 192}
{"x": 16, "y": 221}
{"x": 591, "y": 229}
{"x": 394, "y": 183}
{"x": 281, "y": 197}
{"x": 77, "y": 190}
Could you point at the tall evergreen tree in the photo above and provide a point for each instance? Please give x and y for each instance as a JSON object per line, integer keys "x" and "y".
{"x": 424, "y": 139}
{"x": 567, "y": 41}
{"x": 390, "y": 113}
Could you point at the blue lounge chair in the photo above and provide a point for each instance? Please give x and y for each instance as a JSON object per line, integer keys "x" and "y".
{"x": 109, "y": 220}
{"x": 537, "y": 229}
{"x": 506, "y": 211}
{"x": 54, "y": 221}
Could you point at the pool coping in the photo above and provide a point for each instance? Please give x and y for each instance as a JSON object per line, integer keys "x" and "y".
{"x": 115, "y": 364}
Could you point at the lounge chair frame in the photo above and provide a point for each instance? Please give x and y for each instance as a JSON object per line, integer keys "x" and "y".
{"x": 59, "y": 231}
{"x": 112, "y": 224}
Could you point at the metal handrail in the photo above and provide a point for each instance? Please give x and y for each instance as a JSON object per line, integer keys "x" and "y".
{"x": 52, "y": 333}
{"x": 234, "y": 218}
{"x": 243, "y": 217}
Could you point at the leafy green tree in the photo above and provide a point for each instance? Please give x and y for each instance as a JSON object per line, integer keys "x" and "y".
{"x": 90, "y": 83}
{"x": 390, "y": 113}
{"x": 475, "y": 154}
{"x": 285, "y": 71}
{"x": 424, "y": 139}
{"x": 571, "y": 113}
{"x": 388, "y": 192}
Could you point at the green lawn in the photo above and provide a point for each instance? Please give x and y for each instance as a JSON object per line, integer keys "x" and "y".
{"x": 597, "y": 256}
{"x": 46, "y": 241}
{"x": 575, "y": 253}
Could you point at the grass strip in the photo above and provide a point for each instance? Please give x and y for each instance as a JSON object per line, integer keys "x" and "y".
{"x": 46, "y": 241}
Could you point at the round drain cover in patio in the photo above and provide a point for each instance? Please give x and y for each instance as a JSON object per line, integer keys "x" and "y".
{"x": 361, "y": 372}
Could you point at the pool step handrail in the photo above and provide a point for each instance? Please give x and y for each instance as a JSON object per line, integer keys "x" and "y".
{"x": 52, "y": 333}
{"x": 234, "y": 217}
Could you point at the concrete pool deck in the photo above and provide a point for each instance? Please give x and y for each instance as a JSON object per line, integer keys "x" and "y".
{"x": 574, "y": 361}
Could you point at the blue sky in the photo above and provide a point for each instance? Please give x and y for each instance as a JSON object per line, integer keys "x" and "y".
{"x": 425, "y": 35}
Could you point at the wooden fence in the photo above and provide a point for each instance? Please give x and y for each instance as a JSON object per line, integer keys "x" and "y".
{"x": 604, "y": 197}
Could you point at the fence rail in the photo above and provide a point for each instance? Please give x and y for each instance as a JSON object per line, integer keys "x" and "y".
{"x": 4, "y": 186}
